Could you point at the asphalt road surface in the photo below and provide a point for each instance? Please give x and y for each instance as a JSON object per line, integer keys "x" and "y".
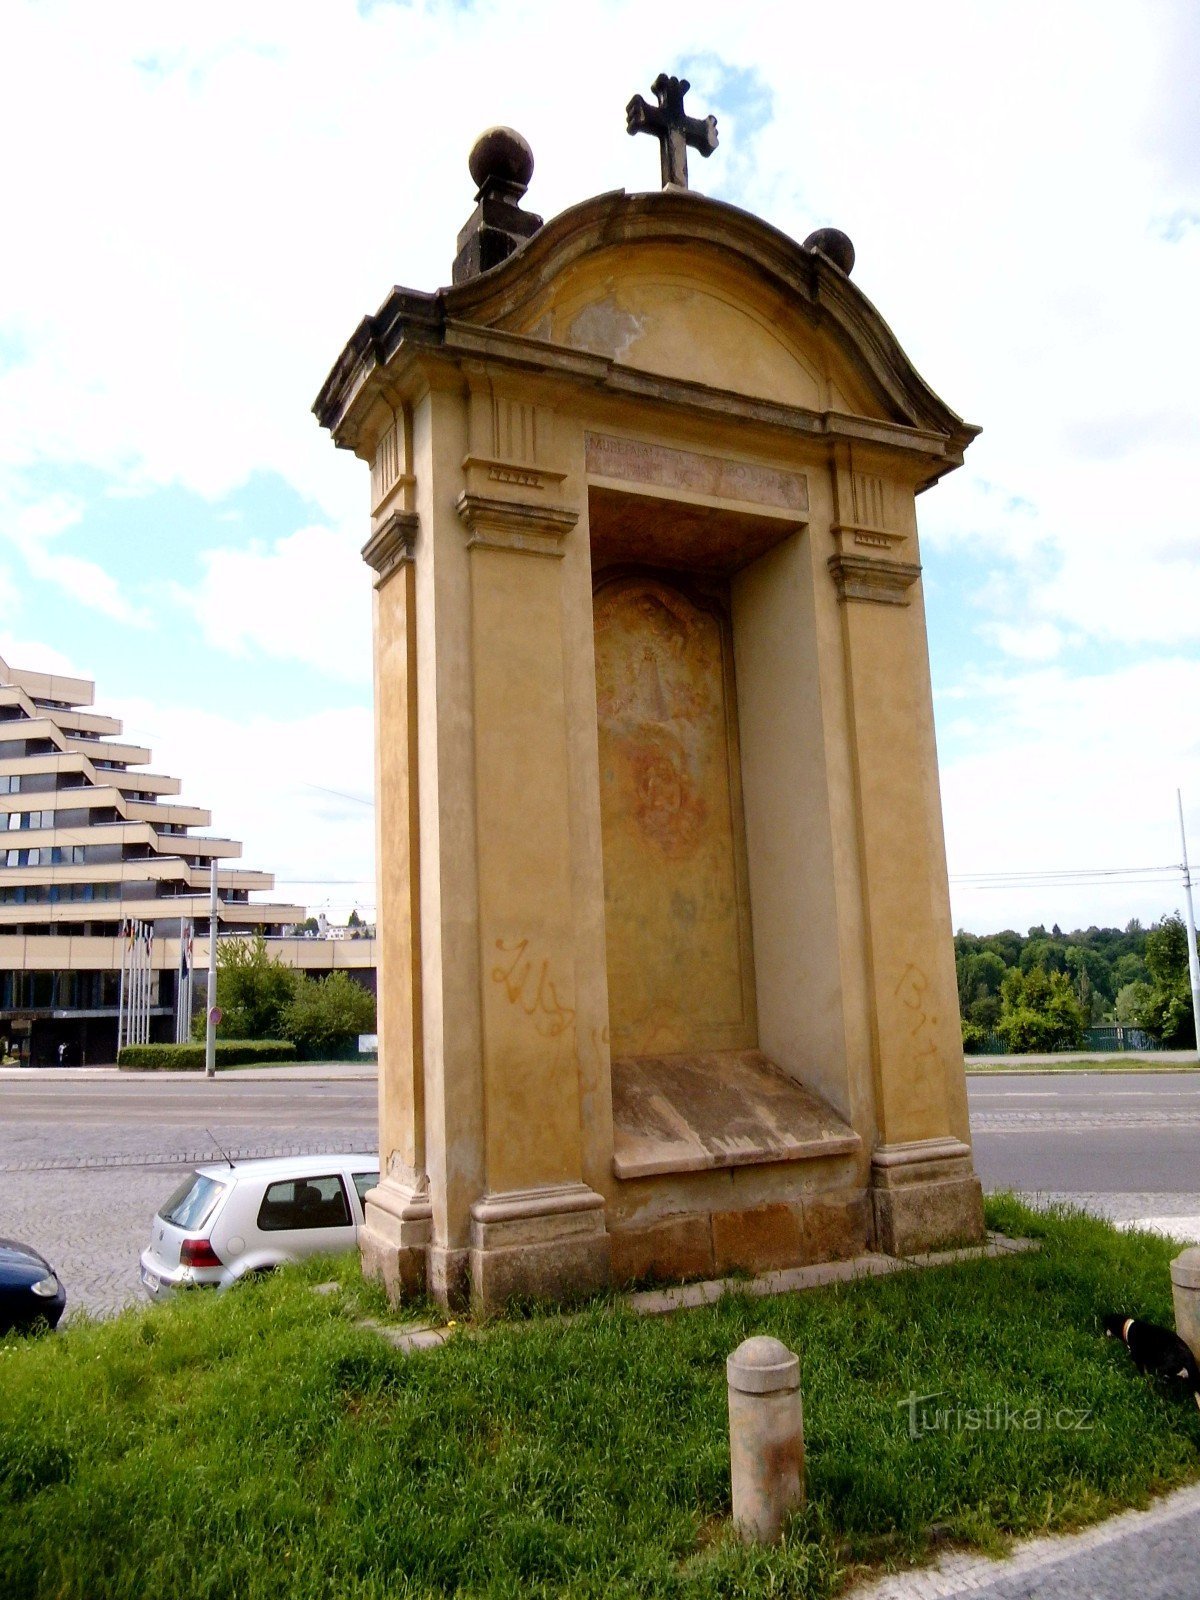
{"x": 1125, "y": 1145}
{"x": 86, "y": 1160}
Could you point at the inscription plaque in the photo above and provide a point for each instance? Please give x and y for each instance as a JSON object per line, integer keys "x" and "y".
{"x": 634, "y": 462}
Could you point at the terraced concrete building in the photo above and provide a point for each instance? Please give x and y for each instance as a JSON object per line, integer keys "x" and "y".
{"x": 89, "y": 840}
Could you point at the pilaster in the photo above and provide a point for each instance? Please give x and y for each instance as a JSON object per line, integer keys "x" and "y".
{"x": 925, "y": 1190}
{"x": 530, "y": 1066}
{"x": 397, "y": 1213}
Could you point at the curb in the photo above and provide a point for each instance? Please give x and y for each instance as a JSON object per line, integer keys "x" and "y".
{"x": 1034, "y": 1560}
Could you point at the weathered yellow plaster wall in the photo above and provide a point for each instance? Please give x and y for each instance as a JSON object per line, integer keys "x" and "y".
{"x": 686, "y": 313}
{"x": 446, "y": 782}
{"x": 401, "y": 1060}
{"x": 810, "y": 1011}
{"x": 523, "y": 849}
{"x": 916, "y": 1022}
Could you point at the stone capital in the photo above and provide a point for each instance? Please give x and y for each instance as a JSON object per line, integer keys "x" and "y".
{"x": 870, "y": 578}
{"x": 531, "y": 527}
{"x": 391, "y": 544}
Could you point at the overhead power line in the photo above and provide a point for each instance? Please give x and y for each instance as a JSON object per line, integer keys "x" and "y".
{"x": 358, "y": 799}
{"x": 1039, "y": 876}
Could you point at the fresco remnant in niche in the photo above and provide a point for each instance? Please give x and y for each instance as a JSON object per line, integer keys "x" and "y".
{"x": 676, "y": 910}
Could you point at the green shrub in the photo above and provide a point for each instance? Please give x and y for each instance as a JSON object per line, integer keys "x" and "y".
{"x": 1041, "y": 1011}
{"x": 254, "y": 991}
{"x": 974, "y": 1037}
{"x": 188, "y": 1057}
{"x": 326, "y": 1015}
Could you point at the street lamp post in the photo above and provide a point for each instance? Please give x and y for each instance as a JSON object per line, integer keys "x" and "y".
{"x": 210, "y": 1024}
{"x": 1193, "y": 958}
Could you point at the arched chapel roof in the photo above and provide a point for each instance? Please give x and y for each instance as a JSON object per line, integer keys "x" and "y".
{"x": 743, "y": 247}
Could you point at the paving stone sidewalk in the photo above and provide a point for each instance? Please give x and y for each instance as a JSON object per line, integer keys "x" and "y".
{"x": 1152, "y": 1554}
{"x": 90, "y": 1225}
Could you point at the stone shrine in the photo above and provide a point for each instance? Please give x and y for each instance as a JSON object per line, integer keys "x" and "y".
{"x": 666, "y": 981}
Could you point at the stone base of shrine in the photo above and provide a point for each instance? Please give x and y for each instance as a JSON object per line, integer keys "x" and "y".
{"x": 724, "y": 1165}
{"x": 925, "y": 1197}
{"x": 547, "y": 1244}
{"x": 394, "y": 1243}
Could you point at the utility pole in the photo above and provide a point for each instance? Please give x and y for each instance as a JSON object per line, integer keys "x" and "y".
{"x": 210, "y": 1026}
{"x": 1193, "y": 958}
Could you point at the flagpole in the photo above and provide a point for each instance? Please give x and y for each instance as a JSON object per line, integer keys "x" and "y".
{"x": 137, "y": 988}
{"x": 143, "y": 985}
{"x": 139, "y": 953}
{"x": 148, "y": 937}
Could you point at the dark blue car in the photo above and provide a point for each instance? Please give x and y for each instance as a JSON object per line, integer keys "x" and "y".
{"x": 30, "y": 1294}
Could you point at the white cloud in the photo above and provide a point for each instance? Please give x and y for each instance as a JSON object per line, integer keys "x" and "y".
{"x": 304, "y": 598}
{"x": 35, "y": 656}
{"x": 1067, "y": 774}
{"x": 222, "y": 191}
{"x": 1039, "y": 641}
{"x": 266, "y": 781}
{"x": 31, "y": 527}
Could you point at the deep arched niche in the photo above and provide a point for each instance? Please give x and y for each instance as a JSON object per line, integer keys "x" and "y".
{"x": 677, "y": 906}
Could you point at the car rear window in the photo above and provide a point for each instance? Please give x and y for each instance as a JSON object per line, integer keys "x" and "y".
{"x": 193, "y": 1202}
{"x": 364, "y": 1181}
{"x": 304, "y": 1203}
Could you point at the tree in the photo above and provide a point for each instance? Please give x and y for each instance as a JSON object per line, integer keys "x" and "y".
{"x": 1040, "y": 1011}
{"x": 310, "y": 925}
{"x": 354, "y": 920}
{"x": 1167, "y": 1013}
{"x": 980, "y": 975}
{"x": 326, "y": 1015}
{"x": 253, "y": 990}
{"x": 1049, "y": 954}
{"x": 1007, "y": 944}
{"x": 1127, "y": 969}
{"x": 1131, "y": 1002}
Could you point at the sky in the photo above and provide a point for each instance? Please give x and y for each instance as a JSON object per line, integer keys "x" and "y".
{"x": 202, "y": 201}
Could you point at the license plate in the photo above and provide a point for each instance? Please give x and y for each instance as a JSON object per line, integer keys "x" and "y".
{"x": 149, "y": 1280}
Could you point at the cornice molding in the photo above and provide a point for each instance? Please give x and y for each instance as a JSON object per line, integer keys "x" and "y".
{"x": 530, "y": 527}
{"x": 818, "y": 289}
{"x": 392, "y": 543}
{"x": 869, "y": 578}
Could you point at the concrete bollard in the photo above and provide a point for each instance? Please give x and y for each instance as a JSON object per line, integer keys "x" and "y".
{"x": 766, "y": 1437}
{"x": 1185, "y": 1290}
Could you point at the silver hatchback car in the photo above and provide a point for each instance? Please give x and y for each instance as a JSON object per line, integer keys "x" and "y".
{"x": 226, "y": 1221}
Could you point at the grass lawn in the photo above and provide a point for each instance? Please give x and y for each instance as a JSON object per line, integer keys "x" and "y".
{"x": 260, "y": 1444}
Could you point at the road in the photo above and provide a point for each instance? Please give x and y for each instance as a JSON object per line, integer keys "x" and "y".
{"x": 86, "y": 1158}
{"x": 71, "y": 1121}
{"x": 1127, "y": 1145}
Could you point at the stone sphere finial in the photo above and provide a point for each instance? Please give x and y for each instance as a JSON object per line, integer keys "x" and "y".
{"x": 835, "y": 244}
{"x": 501, "y": 162}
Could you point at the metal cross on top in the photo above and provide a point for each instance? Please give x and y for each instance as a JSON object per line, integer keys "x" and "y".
{"x": 672, "y": 127}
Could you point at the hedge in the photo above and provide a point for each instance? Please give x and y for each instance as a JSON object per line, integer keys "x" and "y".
{"x": 188, "y": 1057}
